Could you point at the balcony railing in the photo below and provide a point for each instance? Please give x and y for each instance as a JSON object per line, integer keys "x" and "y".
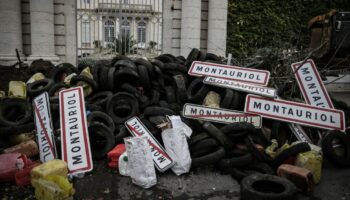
{"x": 124, "y": 7}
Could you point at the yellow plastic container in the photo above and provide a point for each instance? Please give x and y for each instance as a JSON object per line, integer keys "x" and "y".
{"x": 52, "y": 167}
{"x": 270, "y": 150}
{"x": 212, "y": 100}
{"x": 48, "y": 190}
{"x": 63, "y": 183}
{"x": 312, "y": 161}
{"x": 17, "y": 89}
{"x": 36, "y": 77}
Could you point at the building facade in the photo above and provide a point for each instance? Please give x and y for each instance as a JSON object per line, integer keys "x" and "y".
{"x": 63, "y": 30}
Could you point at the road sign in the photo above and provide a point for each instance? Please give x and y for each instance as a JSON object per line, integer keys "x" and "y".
{"x": 219, "y": 115}
{"x": 293, "y": 112}
{"x": 74, "y": 133}
{"x": 246, "y": 75}
{"x": 240, "y": 86}
{"x": 161, "y": 159}
{"x": 43, "y": 124}
{"x": 311, "y": 84}
{"x": 299, "y": 133}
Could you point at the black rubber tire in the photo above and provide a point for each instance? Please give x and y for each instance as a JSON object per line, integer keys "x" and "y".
{"x": 227, "y": 99}
{"x": 236, "y": 100}
{"x": 211, "y": 56}
{"x": 170, "y": 94}
{"x": 155, "y": 97}
{"x": 218, "y": 135}
{"x": 38, "y": 87}
{"x": 158, "y": 111}
{"x": 99, "y": 150}
{"x": 261, "y": 156}
{"x": 100, "y": 98}
{"x": 126, "y": 75}
{"x": 204, "y": 144}
{"x": 110, "y": 81}
{"x": 261, "y": 167}
{"x": 196, "y": 91}
{"x": 291, "y": 151}
{"x": 21, "y": 106}
{"x": 127, "y": 99}
{"x": 236, "y": 161}
{"x": 165, "y": 58}
{"x": 198, "y": 137}
{"x": 175, "y": 67}
{"x": 125, "y": 63}
{"x": 158, "y": 63}
{"x": 181, "y": 91}
{"x": 160, "y": 78}
{"x": 75, "y": 79}
{"x": 267, "y": 187}
{"x": 120, "y": 134}
{"x": 203, "y": 152}
{"x": 95, "y": 71}
{"x": 101, "y": 117}
{"x": 201, "y": 56}
{"x": 144, "y": 77}
{"x": 103, "y": 79}
{"x": 62, "y": 69}
{"x": 330, "y": 153}
{"x": 12, "y": 130}
{"x": 163, "y": 104}
{"x": 57, "y": 87}
{"x": 209, "y": 159}
{"x": 192, "y": 56}
{"x": 237, "y": 127}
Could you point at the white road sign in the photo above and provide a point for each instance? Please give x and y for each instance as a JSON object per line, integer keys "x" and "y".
{"x": 74, "y": 133}
{"x": 311, "y": 84}
{"x": 160, "y": 157}
{"x": 299, "y": 133}
{"x": 246, "y": 75}
{"x": 219, "y": 115}
{"x": 240, "y": 86}
{"x": 295, "y": 112}
{"x": 43, "y": 123}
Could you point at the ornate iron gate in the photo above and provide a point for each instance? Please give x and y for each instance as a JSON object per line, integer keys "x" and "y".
{"x": 126, "y": 27}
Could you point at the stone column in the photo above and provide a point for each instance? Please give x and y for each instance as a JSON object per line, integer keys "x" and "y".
{"x": 190, "y": 26}
{"x": 10, "y": 31}
{"x": 42, "y": 30}
{"x": 217, "y": 27}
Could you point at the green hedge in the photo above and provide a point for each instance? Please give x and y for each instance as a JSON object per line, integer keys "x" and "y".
{"x": 278, "y": 24}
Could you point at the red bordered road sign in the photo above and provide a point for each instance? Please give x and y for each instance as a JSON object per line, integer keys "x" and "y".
{"x": 299, "y": 113}
{"x": 43, "y": 124}
{"x": 246, "y": 75}
{"x": 219, "y": 115}
{"x": 311, "y": 84}
{"x": 74, "y": 133}
{"x": 240, "y": 86}
{"x": 161, "y": 159}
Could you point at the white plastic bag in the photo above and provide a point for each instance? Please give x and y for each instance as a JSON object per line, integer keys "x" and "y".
{"x": 123, "y": 164}
{"x": 140, "y": 162}
{"x": 177, "y": 147}
{"x": 176, "y": 122}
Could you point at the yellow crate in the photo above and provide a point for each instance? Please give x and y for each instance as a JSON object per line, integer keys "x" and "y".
{"x": 52, "y": 167}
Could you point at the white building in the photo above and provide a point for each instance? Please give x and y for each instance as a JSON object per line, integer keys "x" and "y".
{"x": 56, "y": 30}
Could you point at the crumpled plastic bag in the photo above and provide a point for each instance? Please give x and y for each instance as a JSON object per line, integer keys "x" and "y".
{"x": 140, "y": 162}
{"x": 175, "y": 143}
{"x": 176, "y": 122}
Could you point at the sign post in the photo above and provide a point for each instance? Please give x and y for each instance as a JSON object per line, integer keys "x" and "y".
{"x": 161, "y": 159}
{"x": 240, "y": 86}
{"x": 74, "y": 133}
{"x": 219, "y": 115}
{"x": 311, "y": 84}
{"x": 293, "y": 112}
{"x": 234, "y": 73}
{"x": 44, "y": 129}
